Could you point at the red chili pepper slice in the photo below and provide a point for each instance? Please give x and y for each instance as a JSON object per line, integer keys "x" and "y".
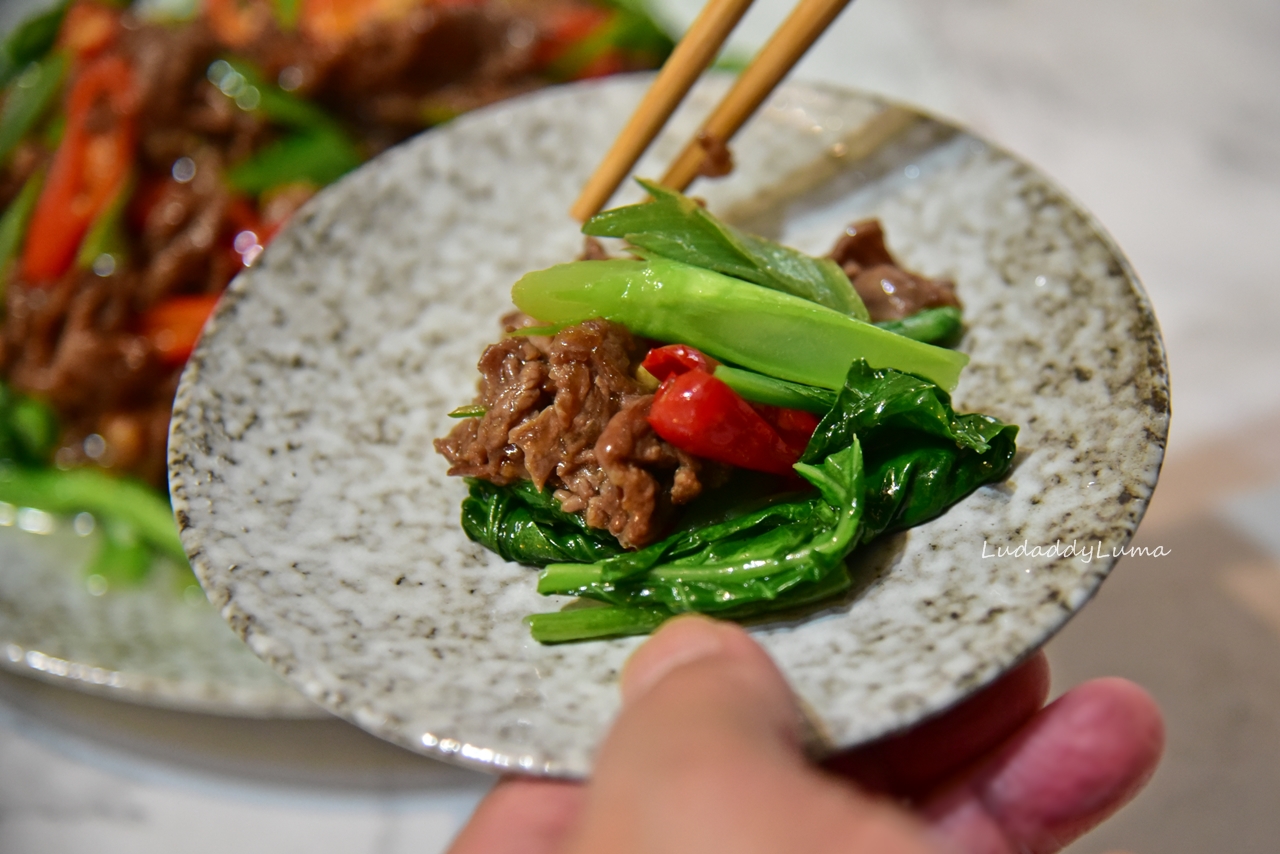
{"x": 673, "y": 359}
{"x": 174, "y": 325}
{"x": 89, "y": 168}
{"x": 794, "y": 426}
{"x": 700, "y": 414}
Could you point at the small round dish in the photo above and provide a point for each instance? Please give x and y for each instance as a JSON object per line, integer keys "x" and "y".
{"x": 321, "y": 522}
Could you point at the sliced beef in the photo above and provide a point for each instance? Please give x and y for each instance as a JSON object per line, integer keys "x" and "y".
{"x": 889, "y": 291}
{"x": 566, "y": 413}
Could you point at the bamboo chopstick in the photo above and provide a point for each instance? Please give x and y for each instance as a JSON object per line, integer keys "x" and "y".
{"x": 798, "y": 32}
{"x": 691, "y": 56}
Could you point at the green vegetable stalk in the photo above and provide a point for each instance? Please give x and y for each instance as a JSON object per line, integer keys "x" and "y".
{"x": 88, "y": 490}
{"x": 753, "y": 327}
{"x": 136, "y": 521}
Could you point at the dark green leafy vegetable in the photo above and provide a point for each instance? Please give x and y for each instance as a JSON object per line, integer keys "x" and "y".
{"x": 29, "y": 42}
{"x": 921, "y": 457}
{"x": 527, "y": 526}
{"x": 29, "y": 98}
{"x": 884, "y": 406}
{"x": 932, "y": 325}
{"x": 780, "y": 551}
{"x": 676, "y": 227}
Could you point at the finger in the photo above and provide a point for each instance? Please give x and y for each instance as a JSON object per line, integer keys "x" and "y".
{"x": 707, "y": 755}
{"x": 912, "y": 763}
{"x": 522, "y": 815}
{"x": 1074, "y": 764}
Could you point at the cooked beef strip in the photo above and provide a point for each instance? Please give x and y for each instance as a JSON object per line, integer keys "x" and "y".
{"x": 889, "y": 291}
{"x": 566, "y": 413}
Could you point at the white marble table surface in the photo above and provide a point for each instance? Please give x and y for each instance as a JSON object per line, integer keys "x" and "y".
{"x": 1162, "y": 117}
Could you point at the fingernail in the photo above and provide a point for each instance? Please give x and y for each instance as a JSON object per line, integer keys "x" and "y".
{"x": 679, "y": 642}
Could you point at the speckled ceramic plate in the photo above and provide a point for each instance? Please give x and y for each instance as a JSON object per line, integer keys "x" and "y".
{"x": 158, "y": 644}
{"x": 323, "y": 526}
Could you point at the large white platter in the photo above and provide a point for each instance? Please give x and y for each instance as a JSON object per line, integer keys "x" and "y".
{"x": 322, "y": 524}
{"x": 156, "y": 644}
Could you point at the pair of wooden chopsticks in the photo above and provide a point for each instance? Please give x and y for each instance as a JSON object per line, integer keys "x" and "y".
{"x": 692, "y": 55}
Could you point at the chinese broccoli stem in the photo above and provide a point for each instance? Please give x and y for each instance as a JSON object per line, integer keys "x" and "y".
{"x": 735, "y": 321}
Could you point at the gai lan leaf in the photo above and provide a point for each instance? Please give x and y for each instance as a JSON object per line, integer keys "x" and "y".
{"x": 678, "y": 228}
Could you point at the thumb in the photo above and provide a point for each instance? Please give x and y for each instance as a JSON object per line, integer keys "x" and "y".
{"x": 707, "y": 755}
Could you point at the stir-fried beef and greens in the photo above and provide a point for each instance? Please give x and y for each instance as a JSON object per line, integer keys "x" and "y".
{"x": 145, "y": 160}
{"x": 715, "y": 423}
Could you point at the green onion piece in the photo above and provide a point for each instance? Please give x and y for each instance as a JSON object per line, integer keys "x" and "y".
{"x": 106, "y": 236}
{"x": 319, "y": 156}
{"x": 470, "y": 411}
{"x": 235, "y": 78}
{"x": 13, "y": 225}
{"x": 29, "y": 98}
{"x": 287, "y": 12}
{"x": 29, "y": 42}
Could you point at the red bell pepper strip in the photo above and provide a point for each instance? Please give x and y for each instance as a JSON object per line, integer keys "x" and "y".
{"x": 174, "y": 325}
{"x": 577, "y": 44}
{"x": 88, "y": 29}
{"x": 665, "y": 362}
{"x": 91, "y": 165}
{"x": 566, "y": 27}
{"x": 238, "y": 23}
{"x": 700, "y": 414}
